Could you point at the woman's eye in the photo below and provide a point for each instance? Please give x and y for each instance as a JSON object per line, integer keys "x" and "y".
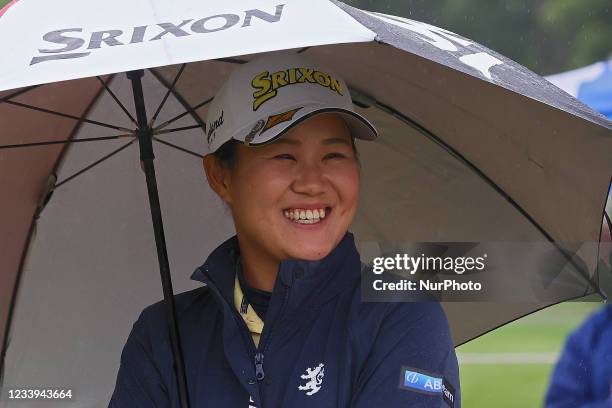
{"x": 284, "y": 156}
{"x": 334, "y": 155}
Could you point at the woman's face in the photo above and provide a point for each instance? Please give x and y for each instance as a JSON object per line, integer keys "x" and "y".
{"x": 295, "y": 197}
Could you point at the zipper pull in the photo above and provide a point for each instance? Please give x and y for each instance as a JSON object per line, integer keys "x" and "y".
{"x": 259, "y": 372}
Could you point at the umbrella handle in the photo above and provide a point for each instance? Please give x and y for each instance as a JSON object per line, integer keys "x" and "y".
{"x": 145, "y": 137}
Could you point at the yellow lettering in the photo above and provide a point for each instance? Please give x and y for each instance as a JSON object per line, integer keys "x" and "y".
{"x": 292, "y": 76}
{"x": 336, "y": 85}
{"x": 321, "y": 78}
{"x": 306, "y": 75}
{"x": 278, "y": 79}
{"x": 257, "y": 102}
{"x": 262, "y": 83}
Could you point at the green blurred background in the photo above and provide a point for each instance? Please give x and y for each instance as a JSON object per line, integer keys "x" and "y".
{"x": 510, "y": 366}
{"x": 546, "y": 36}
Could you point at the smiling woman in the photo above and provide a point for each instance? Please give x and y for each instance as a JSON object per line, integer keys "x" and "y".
{"x": 306, "y": 204}
{"x": 286, "y": 287}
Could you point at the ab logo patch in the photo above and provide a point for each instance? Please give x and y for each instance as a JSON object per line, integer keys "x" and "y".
{"x": 421, "y": 381}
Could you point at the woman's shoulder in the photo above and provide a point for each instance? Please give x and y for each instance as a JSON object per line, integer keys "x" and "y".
{"x": 185, "y": 303}
{"x": 368, "y": 304}
{"x": 395, "y": 315}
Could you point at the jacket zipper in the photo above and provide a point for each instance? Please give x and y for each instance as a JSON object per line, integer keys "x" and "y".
{"x": 259, "y": 355}
{"x": 250, "y": 346}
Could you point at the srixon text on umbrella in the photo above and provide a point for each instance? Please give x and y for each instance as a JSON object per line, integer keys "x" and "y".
{"x": 71, "y": 41}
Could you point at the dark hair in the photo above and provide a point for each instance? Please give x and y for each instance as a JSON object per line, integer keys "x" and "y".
{"x": 226, "y": 154}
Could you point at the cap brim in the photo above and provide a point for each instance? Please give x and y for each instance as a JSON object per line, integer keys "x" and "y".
{"x": 358, "y": 125}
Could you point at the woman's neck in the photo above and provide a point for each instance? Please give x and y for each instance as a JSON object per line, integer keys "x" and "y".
{"x": 259, "y": 270}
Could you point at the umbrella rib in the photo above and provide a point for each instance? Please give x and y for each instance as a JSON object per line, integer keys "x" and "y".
{"x": 116, "y": 99}
{"x": 83, "y": 170}
{"x": 178, "y": 129}
{"x": 66, "y": 115}
{"x": 430, "y": 135}
{"x": 17, "y": 93}
{"x": 189, "y": 111}
{"x": 168, "y": 91}
{"x": 232, "y": 60}
{"x": 178, "y": 147}
{"x": 538, "y": 309}
{"x": 52, "y": 142}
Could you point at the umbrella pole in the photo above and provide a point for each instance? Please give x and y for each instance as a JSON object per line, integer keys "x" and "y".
{"x": 145, "y": 138}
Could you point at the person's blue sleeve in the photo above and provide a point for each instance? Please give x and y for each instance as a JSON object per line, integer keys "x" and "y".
{"x": 139, "y": 383}
{"x": 572, "y": 380}
{"x": 412, "y": 362}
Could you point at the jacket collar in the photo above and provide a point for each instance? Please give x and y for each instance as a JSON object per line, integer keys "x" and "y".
{"x": 311, "y": 281}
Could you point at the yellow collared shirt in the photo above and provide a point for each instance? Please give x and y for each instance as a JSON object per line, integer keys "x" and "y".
{"x": 253, "y": 322}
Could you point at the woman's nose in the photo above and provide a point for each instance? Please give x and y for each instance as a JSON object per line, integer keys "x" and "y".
{"x": 310, "y": 179}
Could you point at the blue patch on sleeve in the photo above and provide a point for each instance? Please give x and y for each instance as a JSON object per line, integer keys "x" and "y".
{"x": 424, "y": 382}
{"x": 420, "y": 381}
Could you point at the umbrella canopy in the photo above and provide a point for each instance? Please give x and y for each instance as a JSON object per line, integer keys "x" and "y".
{"x": 472, "y": 147}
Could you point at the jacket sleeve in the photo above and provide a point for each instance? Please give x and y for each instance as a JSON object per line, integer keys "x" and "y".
{"x": 412, "y": 361}
{"x": 572, "y": 377}
{"x": 139, "y": 383}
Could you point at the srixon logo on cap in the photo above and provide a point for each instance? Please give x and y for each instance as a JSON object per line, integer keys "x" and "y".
{"x": 266, "y": 84}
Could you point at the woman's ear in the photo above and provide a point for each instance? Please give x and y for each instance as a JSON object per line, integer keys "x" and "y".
{"x": 218, "y": 176}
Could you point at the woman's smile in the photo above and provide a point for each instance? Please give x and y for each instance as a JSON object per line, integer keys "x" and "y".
{"x": 307, "y": 214}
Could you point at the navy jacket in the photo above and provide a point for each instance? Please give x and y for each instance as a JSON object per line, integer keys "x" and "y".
{"x": 582, "y": 377}
{"x": 320, "y": 347}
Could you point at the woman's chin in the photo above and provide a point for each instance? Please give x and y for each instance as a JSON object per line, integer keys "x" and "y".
{"x": 312, "y": 252}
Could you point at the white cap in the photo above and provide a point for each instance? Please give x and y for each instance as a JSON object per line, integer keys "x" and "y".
{"x": 272, "y": 93}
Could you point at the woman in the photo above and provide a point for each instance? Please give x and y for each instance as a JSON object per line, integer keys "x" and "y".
{"x": 280, "y": 322}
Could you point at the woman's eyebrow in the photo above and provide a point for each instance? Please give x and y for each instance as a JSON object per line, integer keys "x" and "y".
{"x": 331, "y": 140}
{"x": 335, "y": 140}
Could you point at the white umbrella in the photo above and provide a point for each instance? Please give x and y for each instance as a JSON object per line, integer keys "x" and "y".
{"x": 473, "y": 147}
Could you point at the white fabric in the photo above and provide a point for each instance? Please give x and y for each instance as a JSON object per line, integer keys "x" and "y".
{"x": 26, "y": 24}
{"x": 262, "y": 98}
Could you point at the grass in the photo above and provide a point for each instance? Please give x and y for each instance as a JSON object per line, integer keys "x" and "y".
{"x": 504, "y": 386}
{"x": 519, "y": 385}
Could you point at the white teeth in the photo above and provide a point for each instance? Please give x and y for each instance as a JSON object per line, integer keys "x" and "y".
{"x": 301, "y": 216}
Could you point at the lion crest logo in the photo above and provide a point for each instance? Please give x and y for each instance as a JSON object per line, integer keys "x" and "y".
{"x": 315, "y": 379}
